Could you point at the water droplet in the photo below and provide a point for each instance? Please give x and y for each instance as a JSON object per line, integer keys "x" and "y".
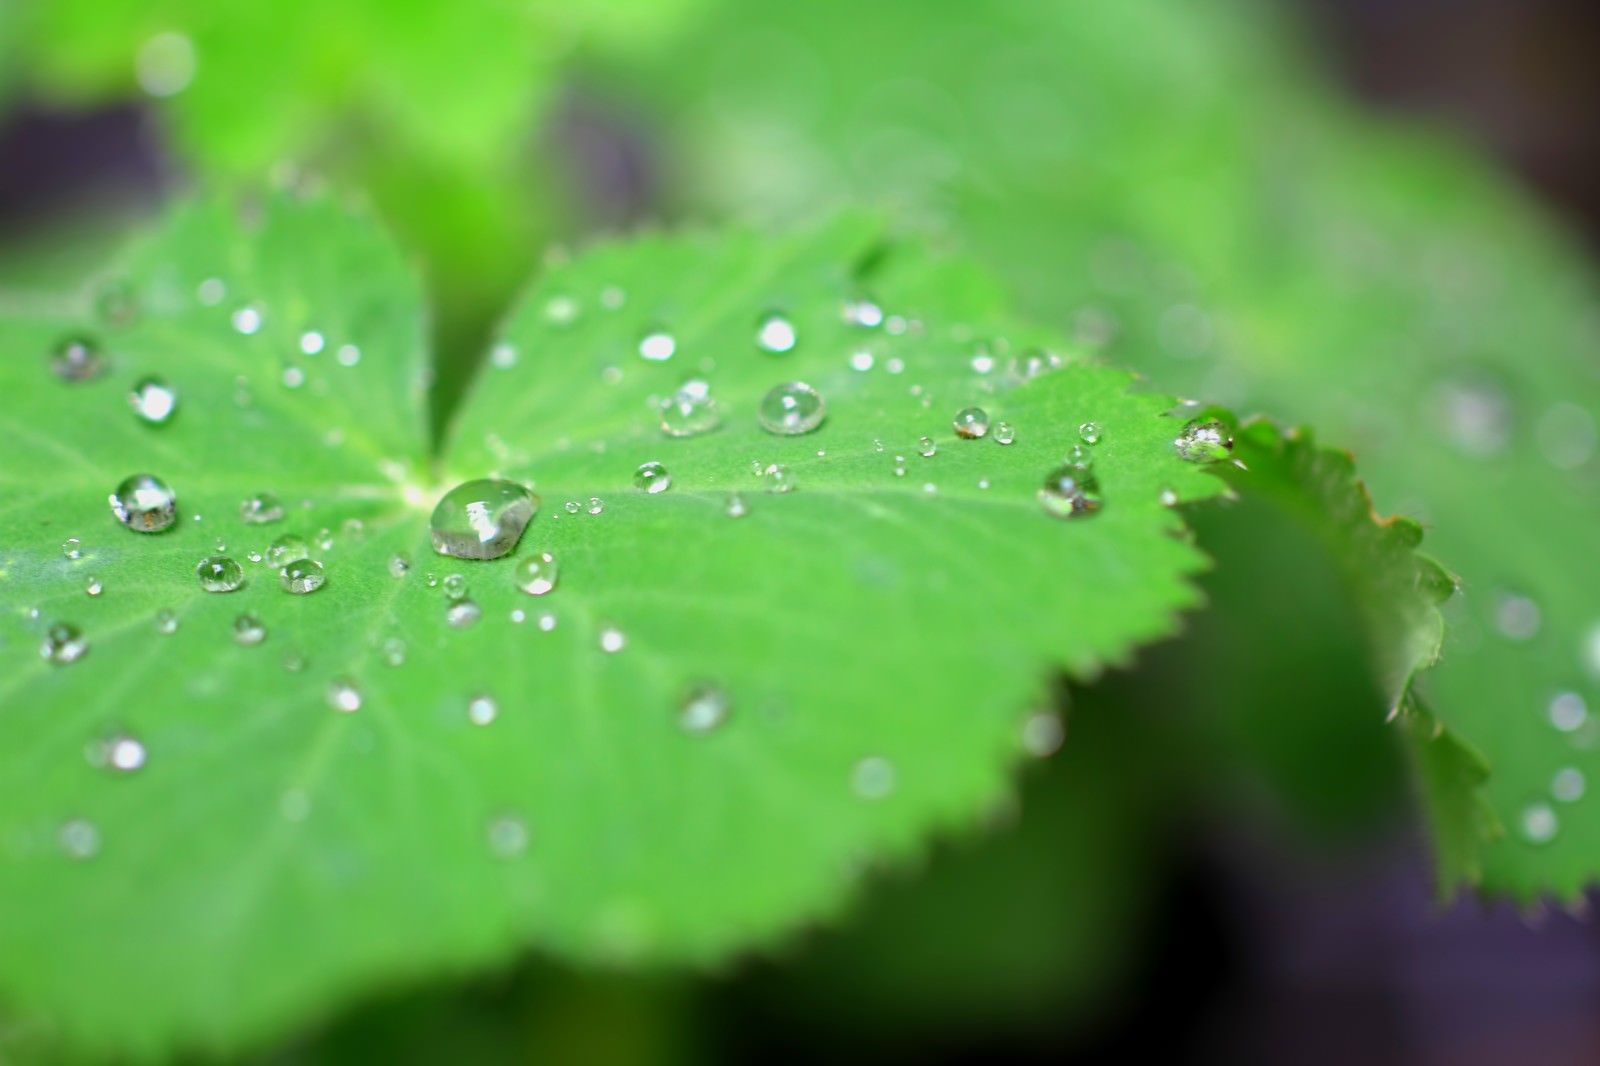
{"x": 612, "y": 640}
{"x": 166, "y": 622}
{"x": 116, "y": 751}
{"x": 394, "y": 651}
{"x": 536, "y": 574}
{"x": 348, "y": 355}
{"x": 432, "y": 581}
{"x": 690, "y": 411}
{"x": 260, "y": 509}
{"x": 293, "y": 377}
{"x": 165, "y": 64}
{"x": 77, "y": 359}
{"x": 777, "y": 478}
{"x": 926, "y": 448}
{"x": 116, "y": 303}
{"x": 92, "y": 586}
{"x": 612, "y": 297}
{"x": 212, "y": 291}
{"x": 1169, "y": 496}
{"x": 1042, "y": 734}
{"x": 861, "y": 360}
{"x": 503, "y": 355}
{"x": 294, "y": 663}
{"x": 455, "y": 586}
{"x": 507, "y": 836}
{"x": 482, "y": 519}
{"x": 1474, "y": 413}
{"x": 1090, "y": 432}
{"x": 1568, "y": 712}
{"x": 547, "y": 623}
{"x": 248, "y": 630}
{"x": 983, "y": 363}
{"x": 64, "y": 643}
{"x": 1517, "y": 617}
{"x": 1080, "y": 457}
{"x": 145, "y": 504}
{"x": 863, "y": 313}
{"x": 312, "y": 342}
{"x": 775, "y": 333}
{"x": 1069, "y": 492}
{"x": 289, "y": 548}
{"x": 481, "y": 710}
{"x": 895, "y": 366}
{"x": 1004, "y": 433}
{"x": 791, "y": 409}
{"x": 247, "y": 320}
{"x": 972, "y": 423}
{"x": 344, "y": 696}
{"x": 596, "y": 505}
{"x": 79, "y": 838}
{"x": 462, "y": 614}
{"x": 705, "y": 709}
{"x": 1204, "y": 441}
{"x": 657, "y": 346}
{"x": 302, "y": 577}
{"x": 573, "y": 506}
{"x": 1539, "y": 823}
{"x": 218, "y": 573}
{"x": 1568, "y": 785}
{"x": 154, "y": 401}
{"x": 561, "y": 311}
{"x": 399, "y": 565}
{"x": 71, "y": 549}
{"x": 652, "y": 477}
{"x": 736, "y": 506}
{"x": 873, "y": 778}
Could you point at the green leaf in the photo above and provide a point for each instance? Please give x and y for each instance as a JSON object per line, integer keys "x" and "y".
{"x": 273, "y": 857}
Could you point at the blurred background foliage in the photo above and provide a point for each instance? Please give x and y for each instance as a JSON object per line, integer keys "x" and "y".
{"x": 1175, "y": 184}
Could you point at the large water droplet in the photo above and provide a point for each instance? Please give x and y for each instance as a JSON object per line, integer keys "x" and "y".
{"x": 705, "y": 709}
{"x": 482, "y": 519}
{"x": 218, "y": 573}
{"x": 248, "y": 630}
{"x": 536, "y": 574}
{"x": 344, "y": 696}
{"x": 972, "y": 423}
{"x": 462, "y": 614}
{"x": 145, "y": 504}
{"x": 1204, "y": 441}
{"x": 652, "y": 477}
{"x": 302, "y": 577}
{"x": 775, "y": 333}
{"x": 154, "y": 401}
{"x": 64, "y": 643}
{"x": 657, "y": 346}
{"x": 1069, "y": 492}
{"x": 792, "y": 408}
{"x": 260, "y": 509}
{"x": 77, "y": 359}
{"x": 690, "y": 411}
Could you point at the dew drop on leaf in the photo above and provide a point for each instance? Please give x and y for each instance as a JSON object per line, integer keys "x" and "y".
{"x": 289, "y": 548}
{"x": 1080, "y": 457}
{"x": 652, "y": 477}
{"x": 872, "y": 778}
{"x": 1568, "y": 785}
{"x": 399, "y": 565}
{"x": 926, "y": 448}
{"x": 1169, "y": 496}
{"x": 154, "y": 401}
{"x": 462, "y": 614}
{"x": 260, "y": 509}
{"x": 1517, "y": 617}
{"x": 219, "y": 573}
{"x": 145, "y": 504}
{"x": 77, "y": 359}
{"x": 1004, "y": 433}
{"x": 1069, "y": 492}
{"x": 312, "y": 342}
{"x": 394, "y": 651}
{"x": 863, "y": 313}
{"x": 791, "y": 409}
{"x": 778, "y": 479}
{"x": 1042, "y": 734}
{"x": 690, "y": 411}
{"x": 481, "y": 710}
{"x": 612, "y": 640}
{"x": 93, "y": 586}
{"x": 481, "y": 519}
{"x": 547, "y": 623}
{"x": 166, "y": 622}
{"x": 455, "y": 586}
{"x": 703, "y": 710}
{"x": 247, "y": 320}
{"x": 344, "y": 696}
{"x": 536, "y": 574}
{"x": 971, "y": 423}
{"x": 1204, "y": 441}
{"x": 507, "y": 836}
{"x": 596, "y": 505}
{"x": 248, "y": 630}
{"x": 64, "y": 643}
{"x": 861, "y": 360}
{"x": 1090, "y": 432}
{"x": 1538, "y": 823}
{"x": 1568, "y": 712}
{"x": 71, "y": 548}
{"x": 657, "y": 346}
{"x": 302, "y": 576}
{"x": 116, "y": 751}
{"x": 775, "y": 333}
{"x": 736, "y": 506}
{"x": 79, "y": 838}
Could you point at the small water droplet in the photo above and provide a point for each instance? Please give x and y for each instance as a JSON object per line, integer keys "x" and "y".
{"x": 218, "y": 573}
{"x": 503, "y": 355}
{"x": 778, "y": 478}
{"x": 596, "y": 505}
{"x": 612, "y": 640}
{"x": 1080, "y": 457}
{"x": 211, "y": 292}
{"x": 1204, "y": 441}
{"x": 1090, "y": 432}
{"x": 561, "y": 311}
{"x": 482, "y": 519}
{"x": 895, "y": 365}
{"x": 302, "y": 576}
{"x": 536, "y": 574}
{"x": 293, "y": 377}
{"x": 1517, "y": 617}
{"x": 1004, "y": 433}
{"x": 1042, "y": 734}
{"x": 1169, "y": 496}
{"x": 344, "y": 696}
{"x": 652, "y": 477}
{"x": 1069, "y": 492}
{"x": 79, "y": 838}
{"x": 573, "y": 506}
{"x": 462, "y": 614}
{"x": 507, "y": 836}
{"x": 348, "y": 355}
{"x": 736, "y": 506}
{"x": 657, "y": 346}
{"x": 690, "y": 411}
{"x": 260, "y": 509}
{"x": 518, "y": 616}
{"x": 154, "y": 401}
{"x": 166, "y": 622}
{"x": 247, "y": 320}
{"x": 293, "y": 663}
{"x": 71, "y": 548}
{"x": 165, "y": 64}
{"x": 145, "y": 504}
{"x": 481, "y": 710}
{"x": 312, "y": 342}
{"x": 547, "y": 623}
{"x": 704, "y": 709}
{"x": 775, "y": 333}
{"x": 77, "y": 359}
{"x": 455, "y": 586}
{"x": 64, "y": 643}
{"x": 248, "y": 630}
{"x": 394, "y": 651}
{"x": 1539, "y": 823}
{"x": 116, "y": 303}
{"x": 93, "y": 586}
{"x": 792, "y": 408}
{"x": 873, "y": 778}
{"x": 116, "y": 751}
{"x": 983, "y": 363}
{"x": 612, "y": 297}
{"x": 863, "y": 313}
{"x": 971, "y": 423}
{"x": 861, "y": 361}
{"x": 399, "y": 564}
{"x": 926, "y": 448}
{"x": 1568, "y": 785}
{"x": 1568, "y": 712}
{"x": 432, "y": 581}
